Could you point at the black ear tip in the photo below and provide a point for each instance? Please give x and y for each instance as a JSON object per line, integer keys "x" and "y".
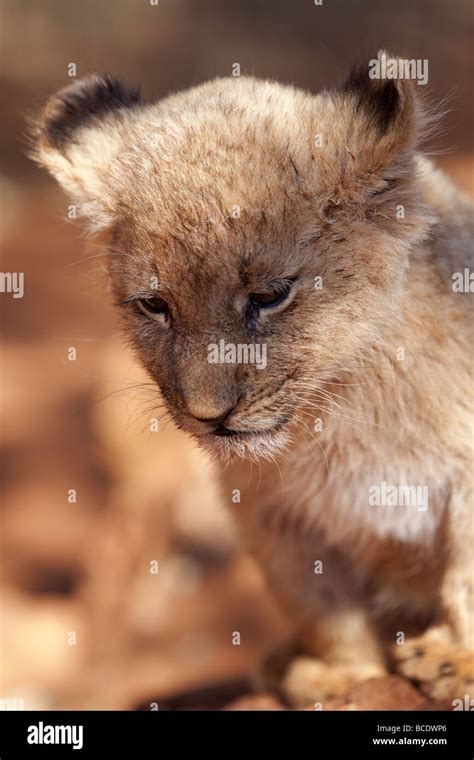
{"x": 359, "y": 76}
{"x": 73, "y": 106}
{"x": 356, "y": 77}
{"x": 379, "y": 98}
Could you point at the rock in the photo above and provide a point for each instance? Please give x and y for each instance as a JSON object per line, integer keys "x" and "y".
{"x": 388, "y": 693}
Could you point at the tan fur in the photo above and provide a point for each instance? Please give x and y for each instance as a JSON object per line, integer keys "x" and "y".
{"x": 165, "y": 180}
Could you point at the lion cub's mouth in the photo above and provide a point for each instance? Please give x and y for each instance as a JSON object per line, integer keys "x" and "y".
{"x": 224, "y": 432}
{"x": 254, "y": 444}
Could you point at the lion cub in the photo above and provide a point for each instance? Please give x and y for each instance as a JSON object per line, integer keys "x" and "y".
{"x": 294, "y": 274}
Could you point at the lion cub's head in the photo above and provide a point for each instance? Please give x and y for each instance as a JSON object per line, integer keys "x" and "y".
{"x": 259, "y": 235}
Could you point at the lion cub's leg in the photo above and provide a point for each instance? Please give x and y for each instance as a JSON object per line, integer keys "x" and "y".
{"x": 441, "y": 661}
{"x": 437, "y": 665}
{"x": 336, "y": 652}
{"x": 457, "y": 591}
{"x": 335, "y": 646}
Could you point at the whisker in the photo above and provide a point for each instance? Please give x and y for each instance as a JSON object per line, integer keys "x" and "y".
{"x": 112, "y": 394}
{"x": 316, "y": 441}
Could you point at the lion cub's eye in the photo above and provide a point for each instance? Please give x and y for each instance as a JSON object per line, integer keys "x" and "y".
{"x": 154, "y": 307}
{"x": 274, "y": 296}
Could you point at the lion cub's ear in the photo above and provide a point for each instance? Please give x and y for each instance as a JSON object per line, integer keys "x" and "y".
{"x": 78, "y": 138}
{"x": 377, "y": 125}
{"x": 386, "y": 110}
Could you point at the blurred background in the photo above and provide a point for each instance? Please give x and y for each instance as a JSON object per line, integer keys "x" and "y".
{"x": 122, "y": 582}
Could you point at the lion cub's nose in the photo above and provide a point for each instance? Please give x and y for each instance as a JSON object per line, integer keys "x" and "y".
{"x": 208, "y": 414}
